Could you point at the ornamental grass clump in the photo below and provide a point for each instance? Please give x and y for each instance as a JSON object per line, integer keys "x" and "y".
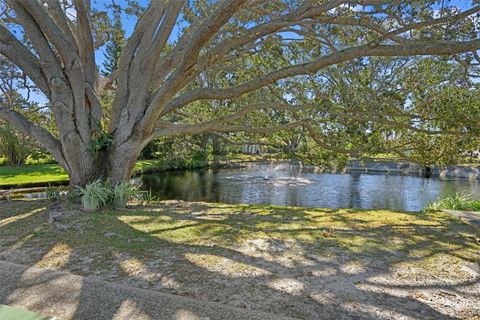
{"x": 122, "y": 192}
{"x": 456, "y": 201}
{"x": 95, "y": 195}
{"x": 98, "y": 194}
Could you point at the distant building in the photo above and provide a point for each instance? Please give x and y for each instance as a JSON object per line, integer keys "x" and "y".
{"x": 253, "y": 149}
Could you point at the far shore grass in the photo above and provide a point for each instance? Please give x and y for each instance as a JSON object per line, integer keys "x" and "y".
{"x": 55, "y": 174}
{"x": 49, "y": 173}
{"x": 31, "y": 174}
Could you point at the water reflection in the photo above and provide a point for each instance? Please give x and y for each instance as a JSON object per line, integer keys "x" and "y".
{"x": 290, "y": 185}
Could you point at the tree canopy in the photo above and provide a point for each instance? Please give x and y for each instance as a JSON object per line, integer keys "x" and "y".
{"x": 339, "y": 70}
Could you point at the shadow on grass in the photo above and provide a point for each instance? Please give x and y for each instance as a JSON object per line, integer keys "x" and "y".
{"x": 304, "y": 263}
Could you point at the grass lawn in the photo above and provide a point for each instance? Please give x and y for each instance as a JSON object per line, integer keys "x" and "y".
{"x": 42, "y": 173}
{"x": 291, "y": 261}
{"x": 47, "y": 173}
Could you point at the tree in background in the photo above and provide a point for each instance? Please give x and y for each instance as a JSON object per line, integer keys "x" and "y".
{"x": 423, "y": 109}
{"x": 15, "y": 146}
{"x": 160, "y": 74}
{"x": 114, "y": 46}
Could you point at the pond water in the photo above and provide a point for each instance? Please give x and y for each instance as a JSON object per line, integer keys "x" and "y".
{"x": 285, "y": 184}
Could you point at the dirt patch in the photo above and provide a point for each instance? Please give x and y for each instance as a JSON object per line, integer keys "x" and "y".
{"x": 303, "y": 263}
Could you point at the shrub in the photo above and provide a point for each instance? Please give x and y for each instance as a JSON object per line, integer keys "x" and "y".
{"x": 475, "y": 205}
{"x": 457, "y": 201}
{"x": 147, "y": 197}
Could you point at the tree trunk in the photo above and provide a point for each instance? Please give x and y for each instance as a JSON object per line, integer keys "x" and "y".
{"x": 85, "y": 170}
{"x": 116, "y": 165}
{"x": 85, "y": 167}
{"x": 122, "y": 159}
{"x": 121, "y": 167}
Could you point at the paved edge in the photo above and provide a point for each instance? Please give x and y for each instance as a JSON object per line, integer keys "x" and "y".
{"x": 470, "y": 217}
{"x": 67, "y": 296}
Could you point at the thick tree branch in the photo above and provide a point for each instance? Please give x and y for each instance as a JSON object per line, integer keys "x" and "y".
{"x": 142, "y": 67}
{"x": 25, "y": 126}
{"x": 126, "y": 77}
{"x": 58, "y": 14}
{"x": 51, "y": 67}
{"x": 225, "y": 10}
{"x": 262, "y": 130}
{"x": 52, "y": 31}
{"x": 432, "y": 48}
{"x": 211, "y": 125}
{"x": 16, "y": 52}
{"x": 60, "y": 93}
{"x": 252, "y": 34}
{"x": 182, "y": 129}
{"x": 85, "y": 41}
{"x": 78, "y": 72}
{"x": 231, "y": 141}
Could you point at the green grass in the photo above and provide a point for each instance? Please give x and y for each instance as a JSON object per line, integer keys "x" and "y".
{"x": 457, "y": 201}
{"x": 50, "y": 173}
{"x": 43, "y": 173}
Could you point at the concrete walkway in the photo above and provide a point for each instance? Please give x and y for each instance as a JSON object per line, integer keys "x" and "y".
{"x": 68, "y": 296}
{"x": 472, "y": 217}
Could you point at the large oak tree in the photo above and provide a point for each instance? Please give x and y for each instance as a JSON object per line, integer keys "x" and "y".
{"x": 165, "y": 64}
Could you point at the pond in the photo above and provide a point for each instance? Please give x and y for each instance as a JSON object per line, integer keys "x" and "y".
{"x": 285, "y": 184}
